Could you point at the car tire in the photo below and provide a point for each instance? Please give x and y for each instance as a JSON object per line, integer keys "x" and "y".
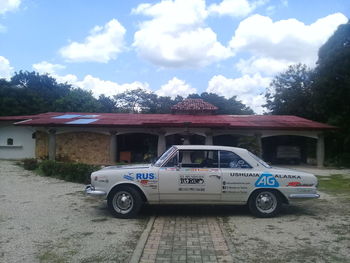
{"x": 124, "y": 202}
{"x": 265, "y": 203}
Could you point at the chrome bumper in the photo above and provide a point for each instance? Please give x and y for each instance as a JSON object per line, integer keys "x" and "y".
{"x": 90, "y": 190}
{"x": 304, "y": 196}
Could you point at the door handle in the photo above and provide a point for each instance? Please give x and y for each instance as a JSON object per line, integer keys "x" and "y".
{"x": 215, "y": 175}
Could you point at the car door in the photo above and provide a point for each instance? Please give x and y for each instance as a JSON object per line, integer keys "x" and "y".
{"x": 190, "y": 176}
{"x": 238, "y": 176}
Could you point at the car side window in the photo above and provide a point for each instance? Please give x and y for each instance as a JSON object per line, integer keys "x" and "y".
{"x": 232, "y": 160}
{"x": 199, "y": 158}
{"x": 172, "y": 162}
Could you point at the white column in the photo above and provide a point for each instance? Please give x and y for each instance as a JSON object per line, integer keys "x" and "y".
{"x": 186, "y": 140}
{"x": 113, "y": 147}
{"x": 320, "y": 150}
{"x": 209, "y": 139}
{"x": 258, "y": 140}
{"x": 52, "y": 144}
{"x": 161, "y": 144}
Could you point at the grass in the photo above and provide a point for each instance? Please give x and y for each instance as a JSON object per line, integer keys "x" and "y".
{"x": 335, "y": 184}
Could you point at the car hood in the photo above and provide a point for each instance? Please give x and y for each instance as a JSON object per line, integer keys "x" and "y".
{"x": 122, "y": 167}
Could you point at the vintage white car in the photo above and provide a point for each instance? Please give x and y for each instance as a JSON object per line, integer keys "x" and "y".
{"x": 201, "y": 174}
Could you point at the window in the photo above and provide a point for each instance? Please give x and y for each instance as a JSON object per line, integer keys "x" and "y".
{"x": 232, "y": 160}
{"x": 9, "y": 141}
{"x": 259, "y": 160}
{"x": 164, "y": 156}
{"x": 199, "y": 158}
{"x": 172, "y": 162}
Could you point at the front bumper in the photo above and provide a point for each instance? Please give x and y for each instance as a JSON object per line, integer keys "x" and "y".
{"x": 90, "y": 190}
{"x": 304, "y": 196}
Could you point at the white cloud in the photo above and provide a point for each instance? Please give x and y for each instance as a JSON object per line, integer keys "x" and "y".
{"x": 6, "y": 70}
{"x": 176, "y": 36}
{"x": 175, "y": 87}
{"x": 289, "y": 40}
{"x": 235, "y": 8}
{"x": 102, "y": 45}
{"x": 247, "y": 88}
{"x": 45, "y": 67}
{"x": 9, "y": 5}
{"x": 96, "y": 85}
{"x": 264, "y": 65}
{"x": 109, "y": 88}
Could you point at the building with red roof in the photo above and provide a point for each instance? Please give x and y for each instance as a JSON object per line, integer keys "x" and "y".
{"x": 106, "y": 138}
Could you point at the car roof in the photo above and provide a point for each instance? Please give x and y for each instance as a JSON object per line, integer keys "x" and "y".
{"x": 210, "y": 147}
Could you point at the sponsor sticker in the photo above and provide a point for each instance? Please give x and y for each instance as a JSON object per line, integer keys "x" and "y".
{"x": 129, "y": 176}
{"x": 145, "y": 176}
{"x": 266, "y": 180}
{"x": 192, "y": 189}
{"x": 298, "y": 184}
{"x": 191, "y": 180}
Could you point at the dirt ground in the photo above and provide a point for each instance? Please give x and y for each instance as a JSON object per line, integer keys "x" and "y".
{"x": 49, "y": 220}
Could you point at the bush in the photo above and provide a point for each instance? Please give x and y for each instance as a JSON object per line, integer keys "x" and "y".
{"x": 72, "y": 172}
{"x": 30, "y": 164}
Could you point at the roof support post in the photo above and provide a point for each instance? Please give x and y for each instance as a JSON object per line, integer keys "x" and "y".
{"x": 259, "y": 144}
{"x": 209, "y": 139}
{"x": 52, "y": 144}
{"x": 113, "y": 147}
{"x": 320, "y": 150}
{"x": 161, "y": 144}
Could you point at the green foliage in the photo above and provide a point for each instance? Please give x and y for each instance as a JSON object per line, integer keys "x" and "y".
{"x": 322, "y": 94}
{"x": 78, "y": 100}
{"x": 291, "y": 92}
{"x": 30, "y": 164}
{"x": 226, "y": 106}
{"x": 72, "y": 172}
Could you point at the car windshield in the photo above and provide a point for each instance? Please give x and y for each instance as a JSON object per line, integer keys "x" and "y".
{"x": 164, "y": 156}
{"x": 263, "y": 163}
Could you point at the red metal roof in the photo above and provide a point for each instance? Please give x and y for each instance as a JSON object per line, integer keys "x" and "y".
{"x": 76, "y": 119}
{"x": 194, "y": 105}
{"x": 17, "y": 118}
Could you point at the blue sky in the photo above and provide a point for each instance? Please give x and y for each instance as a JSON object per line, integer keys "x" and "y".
{"x": 230, "y": 47}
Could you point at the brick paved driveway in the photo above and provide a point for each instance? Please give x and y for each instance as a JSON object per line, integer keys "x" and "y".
{"x": 186, "y": 239}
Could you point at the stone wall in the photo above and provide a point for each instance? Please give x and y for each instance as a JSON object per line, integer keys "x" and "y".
{"x": 85, "y": 147}
{"x": 41, "y": 145}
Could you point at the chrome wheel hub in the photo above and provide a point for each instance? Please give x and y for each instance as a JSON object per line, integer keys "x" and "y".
{"x": 266, "y": 202}
{"x": 123, "y": 202}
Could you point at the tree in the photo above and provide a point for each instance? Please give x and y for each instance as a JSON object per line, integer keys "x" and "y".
{"x": 226, "y": 106}
{"x": 332, "y": 91}
{"x": 107, "y": 104}
{"x": 77, "y": 100}
{"x": 41, "y": 90}
{"x": 134, "y": 101}
{"x": 291, "y": 92}
{"x": 332, "y": 86}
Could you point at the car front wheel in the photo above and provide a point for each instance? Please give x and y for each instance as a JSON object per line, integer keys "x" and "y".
{"x": 265, "y": 203}
{"x": 124, "y": 202}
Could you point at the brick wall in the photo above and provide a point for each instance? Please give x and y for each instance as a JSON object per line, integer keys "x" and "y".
{"x": 85, "y": 147}
{"x": 41, "y": 145}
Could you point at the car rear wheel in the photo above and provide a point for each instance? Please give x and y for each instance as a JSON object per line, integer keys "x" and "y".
{"x": 124, "y": 202}
{"x": 265, "y": 203}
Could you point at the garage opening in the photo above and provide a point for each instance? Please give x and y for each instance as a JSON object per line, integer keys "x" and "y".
{"x": 136, "y": 147}
{"x": 289, "y": 149}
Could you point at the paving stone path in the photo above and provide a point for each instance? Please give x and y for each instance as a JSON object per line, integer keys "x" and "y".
{"x": 186, "y": 239}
